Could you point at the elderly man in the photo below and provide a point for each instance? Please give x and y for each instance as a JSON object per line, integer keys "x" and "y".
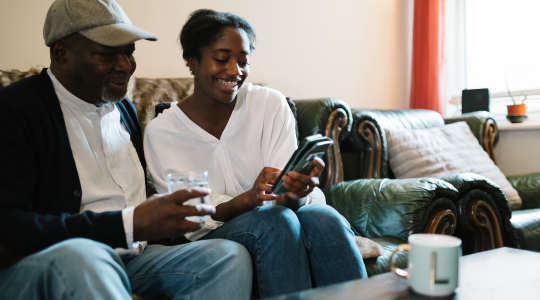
{"x": 72, "y": 181}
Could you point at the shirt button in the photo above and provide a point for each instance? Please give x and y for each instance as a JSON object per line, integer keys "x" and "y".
{"x": 77, "y": 193}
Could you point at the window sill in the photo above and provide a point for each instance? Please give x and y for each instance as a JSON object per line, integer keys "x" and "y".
{"x": 531, "y": 124}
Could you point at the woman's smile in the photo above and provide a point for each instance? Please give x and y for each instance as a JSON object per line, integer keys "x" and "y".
{"x": 228, "y": 85}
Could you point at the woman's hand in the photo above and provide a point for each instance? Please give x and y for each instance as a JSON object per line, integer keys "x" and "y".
{"x": 262, "y": 188}
{"x": 300, "y": 185}
{"x": 261, "y": 191}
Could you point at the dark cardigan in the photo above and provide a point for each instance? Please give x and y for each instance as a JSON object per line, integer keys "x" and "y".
{"x": 40, "y": 192}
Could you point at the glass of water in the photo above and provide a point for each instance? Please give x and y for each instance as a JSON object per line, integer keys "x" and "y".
{"x": 189, "y": 180}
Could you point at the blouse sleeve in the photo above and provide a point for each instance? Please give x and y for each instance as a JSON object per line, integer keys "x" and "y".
{"x": 283, "y": 141}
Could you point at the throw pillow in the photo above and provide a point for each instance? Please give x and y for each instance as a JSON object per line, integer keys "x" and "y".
{"x": 442, "y": 151}
{"x": 368, "y": 248}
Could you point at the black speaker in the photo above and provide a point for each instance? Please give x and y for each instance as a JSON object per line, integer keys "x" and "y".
{"x": 474, "y": 100}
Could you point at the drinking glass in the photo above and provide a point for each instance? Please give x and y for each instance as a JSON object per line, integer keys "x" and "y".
{"x": 189, "y": 180}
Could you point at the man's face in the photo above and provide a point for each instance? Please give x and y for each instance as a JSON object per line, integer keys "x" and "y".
{"x": 99, "y": 74}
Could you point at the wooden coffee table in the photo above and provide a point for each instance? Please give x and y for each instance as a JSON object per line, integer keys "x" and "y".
{"x": 503, "y": 273}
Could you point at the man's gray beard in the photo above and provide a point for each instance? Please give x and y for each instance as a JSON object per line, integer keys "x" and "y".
{"x": 109, "y": 97}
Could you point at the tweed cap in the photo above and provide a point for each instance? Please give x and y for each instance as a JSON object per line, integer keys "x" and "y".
{"x": 102, "y": 21}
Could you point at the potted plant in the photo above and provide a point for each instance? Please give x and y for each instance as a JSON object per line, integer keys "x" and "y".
{"x": 517, "y": 113}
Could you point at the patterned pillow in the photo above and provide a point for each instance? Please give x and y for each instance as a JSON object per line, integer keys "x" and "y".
{"x": 442, "y": 151}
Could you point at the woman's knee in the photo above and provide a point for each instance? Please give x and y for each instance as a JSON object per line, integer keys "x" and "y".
{"x": 321, "y": 216}
{"x": 278, "y": 218}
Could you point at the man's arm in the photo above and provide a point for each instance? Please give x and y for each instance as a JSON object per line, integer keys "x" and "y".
{"x": 38, "y": 177}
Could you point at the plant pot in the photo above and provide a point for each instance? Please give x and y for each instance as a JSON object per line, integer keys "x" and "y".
{"x": 517, "y": 110}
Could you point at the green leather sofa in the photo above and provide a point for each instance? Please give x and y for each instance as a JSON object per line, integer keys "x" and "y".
{"x": 386, "y": 211}
{"x": 485, "y": 220}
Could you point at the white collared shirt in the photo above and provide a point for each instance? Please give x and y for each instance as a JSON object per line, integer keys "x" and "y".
{"x": 109, "y": 169}
{"x": 259, "y": 133}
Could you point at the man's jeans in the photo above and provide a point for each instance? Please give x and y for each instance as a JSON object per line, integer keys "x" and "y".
{"x": 285, "y": 244}
{"x": 84, "y": 269}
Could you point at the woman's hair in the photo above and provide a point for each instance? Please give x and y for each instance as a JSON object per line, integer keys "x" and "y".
{"x": 205, "y": 26}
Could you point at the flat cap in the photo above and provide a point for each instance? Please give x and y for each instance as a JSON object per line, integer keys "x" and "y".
{"x": 102, "y": 21}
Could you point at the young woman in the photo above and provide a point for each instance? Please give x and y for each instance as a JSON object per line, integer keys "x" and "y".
{"x": 244, "y": 135}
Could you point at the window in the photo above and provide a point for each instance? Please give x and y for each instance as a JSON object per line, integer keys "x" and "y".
{"x": 502, "y": 48}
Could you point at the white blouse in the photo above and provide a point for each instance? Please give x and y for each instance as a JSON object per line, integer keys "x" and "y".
{"x": 260, "y": 133}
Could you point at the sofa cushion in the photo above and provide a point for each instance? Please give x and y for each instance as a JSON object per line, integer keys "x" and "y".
{"x": 443, "y": 151}
{"x": 368, "y": 248}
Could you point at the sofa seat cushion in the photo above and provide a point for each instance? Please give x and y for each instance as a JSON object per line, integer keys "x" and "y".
{"x": 526, "y": 229}
{"x": 445, "y": 150}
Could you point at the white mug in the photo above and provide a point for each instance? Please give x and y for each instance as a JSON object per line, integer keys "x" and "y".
{"x": 433, "y": 267}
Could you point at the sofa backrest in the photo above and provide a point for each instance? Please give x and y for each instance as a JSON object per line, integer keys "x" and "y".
{"x": 146, "y": 93}
{"x": 11, "y": 76}
{"x": 369, "y": 132}
{"x": 327, "y": 116}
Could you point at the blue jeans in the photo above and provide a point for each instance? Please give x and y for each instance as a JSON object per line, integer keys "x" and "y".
{"x": 285, "y": 245}
{"x": 84, "y": 269}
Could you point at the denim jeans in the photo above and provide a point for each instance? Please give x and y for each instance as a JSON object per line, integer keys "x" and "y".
{"x": 84, "y": 269}
{"x": 285, "y": 245}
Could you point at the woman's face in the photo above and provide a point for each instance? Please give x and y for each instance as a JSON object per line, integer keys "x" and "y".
{"x": 224, "y": 65}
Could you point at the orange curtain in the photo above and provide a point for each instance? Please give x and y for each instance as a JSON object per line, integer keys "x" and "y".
{"x": 428, "y": 78}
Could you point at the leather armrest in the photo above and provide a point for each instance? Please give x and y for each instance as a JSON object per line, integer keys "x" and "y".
{"x": 482, "y": 208}
{"x": 390, "y": 207}
{"x": 528, "y": 187}
{"x": 477, "y": 121}
{"x": 466, "y": 182}
{"x": 526, "y": 229}
{"x": 313, "y": 115}
{"x": 331, "y": 118}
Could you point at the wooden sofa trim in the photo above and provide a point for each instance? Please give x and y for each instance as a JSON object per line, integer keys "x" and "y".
{"x": 488, "y": 137}
{"x": 482, "y": 217}
{"x": 369, "y": 136}
{"x": 337, "y": 120}
{"x": 441, "y": 221}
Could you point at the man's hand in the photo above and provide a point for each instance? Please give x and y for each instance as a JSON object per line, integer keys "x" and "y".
{"x": 262, "y": 188}
{"x": 164, "y": 217}
{"x": 300, "y": 185}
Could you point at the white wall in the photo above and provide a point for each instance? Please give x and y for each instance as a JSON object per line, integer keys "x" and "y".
{"x": 517, "y": 150}
{"x": 355, "y": 50}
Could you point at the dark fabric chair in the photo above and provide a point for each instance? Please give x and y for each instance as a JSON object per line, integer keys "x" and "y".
{"x": 484, "y": 217}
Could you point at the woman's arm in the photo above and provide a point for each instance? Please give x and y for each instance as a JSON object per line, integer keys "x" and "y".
{"x": 299, "y": 186}
{"x": 260, "y": 192}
